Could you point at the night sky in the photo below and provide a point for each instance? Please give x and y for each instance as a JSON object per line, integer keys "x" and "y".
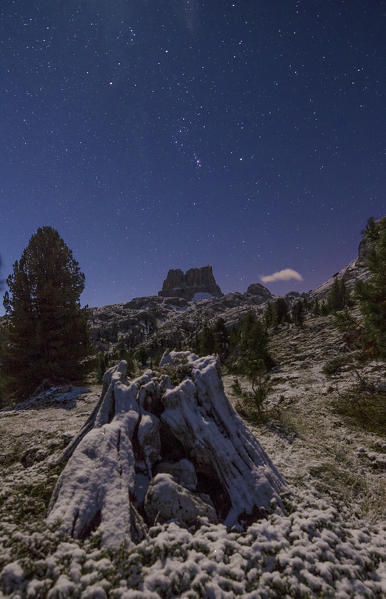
{"x": 157, "y": 134}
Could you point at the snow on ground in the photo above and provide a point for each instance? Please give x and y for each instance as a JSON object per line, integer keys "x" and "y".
{"x": 64, "y": 396}
{"x": 331, "y": 543}
{"x": 313, "y": 551}
{"x": 201, "y": 295}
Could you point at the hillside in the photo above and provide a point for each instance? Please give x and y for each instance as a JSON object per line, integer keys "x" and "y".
{"x": 330, "y": 543}
{"x": 316, "y": 445}
{"x": 321, "y": 426}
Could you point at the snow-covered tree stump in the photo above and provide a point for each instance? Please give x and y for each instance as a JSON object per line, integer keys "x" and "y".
{"x": 154, "y": 451}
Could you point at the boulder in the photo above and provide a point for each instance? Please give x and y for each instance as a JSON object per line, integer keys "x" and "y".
{"x": 183, "y": 472}
{"x": 166, "y": 500}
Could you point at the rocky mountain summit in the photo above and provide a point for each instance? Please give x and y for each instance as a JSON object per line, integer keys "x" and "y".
{"x": 196, "y": 283}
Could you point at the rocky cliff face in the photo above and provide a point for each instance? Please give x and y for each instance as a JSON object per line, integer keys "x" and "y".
{"x": 357, "y": 270}
{"x": 195, "y": 283}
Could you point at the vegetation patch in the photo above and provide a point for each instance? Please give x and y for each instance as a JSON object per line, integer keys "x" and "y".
{"x": 177, "y": 371}
{"x": 335, "y": 365}
{"x": 364, "y": 408}
{"x": 29, "y": 500}
{"x": 249, "y": 404}
{"x": 351, "y": 488}
{"x": 286, "y": 421}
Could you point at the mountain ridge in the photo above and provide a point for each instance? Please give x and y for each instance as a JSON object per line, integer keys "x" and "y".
{"x": 174, "y": 320}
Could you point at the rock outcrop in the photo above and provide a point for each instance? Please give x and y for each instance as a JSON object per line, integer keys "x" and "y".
{"x": 196, "y": 283}
{"x": 356, "y": 270}
{"x": 167, "y": 500}
{"x": 151, "y": 451}
{"x": 259, "y": 291}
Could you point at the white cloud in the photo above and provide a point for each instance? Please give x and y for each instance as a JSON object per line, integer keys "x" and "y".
{"x": 282, "y": 275}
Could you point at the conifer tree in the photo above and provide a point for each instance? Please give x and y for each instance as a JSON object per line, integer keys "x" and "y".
{"x": 207, "y": 341}
{"x": 2, "y": 372}
{"x": 234, "y": 338}
{"x": 372, "y": 293}
{"x": 270, "y": 316}
{"x": 298, "y": 313}
{"x": 141, "y": 356}
{"x": 306, "y": 304}
{"x": 253, "y": 341}
{"x": 221, "y": 338}
{"x": 101, "y": 365}
{"x": 316, "y": 308}
{"x": 47, "y": 336}
{"x": 281, "y": 310}
{"x": 370, "y": 232}
{"x": 338, "y": 297}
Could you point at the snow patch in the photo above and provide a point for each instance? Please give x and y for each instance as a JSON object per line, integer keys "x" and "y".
{"x": 201, "y": 295}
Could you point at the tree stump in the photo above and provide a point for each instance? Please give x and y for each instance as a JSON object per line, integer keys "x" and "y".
{"x": 113, "y": 480}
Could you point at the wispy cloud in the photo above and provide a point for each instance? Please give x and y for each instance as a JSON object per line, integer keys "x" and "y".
{"x": 282, "y": 275}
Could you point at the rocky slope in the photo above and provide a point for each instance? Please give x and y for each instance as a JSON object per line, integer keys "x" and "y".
{"x": 169, "y": 320}
{"x": 307, "y": 430}
{"x": 356, "y": 270}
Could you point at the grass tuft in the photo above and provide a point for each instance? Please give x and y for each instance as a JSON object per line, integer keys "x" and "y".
{"x": 363, "y": 408}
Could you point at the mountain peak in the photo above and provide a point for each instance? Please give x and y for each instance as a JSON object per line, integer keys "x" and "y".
{"x": 195, "y": 282}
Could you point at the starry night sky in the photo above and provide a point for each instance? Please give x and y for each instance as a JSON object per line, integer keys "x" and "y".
{"x": 157, "y": 134}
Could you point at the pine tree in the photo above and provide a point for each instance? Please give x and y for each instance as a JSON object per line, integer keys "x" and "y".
{"x": 47, "y": 336}
{"x": 306, "y": 303}
{"x": 207, "y": 341}
{"x": 281, "y": 310}
{"x": 221, "y": 338}
{"x": 316, "y": 308}
{"x": 370, "y": 232}
{"x": 2, "y": 343}
{"x": 372, "y": 293}
{"x": 298, "y": 313}
{"x": 338, "y": 297}
{"x": 101, "y": 365}
{"x": 254, "y": 341}
{"x": 234, "y": 338}
{"x": 2, "y": 371}
{"x": 270, "y": 316}
{"x": 141, "y": 356}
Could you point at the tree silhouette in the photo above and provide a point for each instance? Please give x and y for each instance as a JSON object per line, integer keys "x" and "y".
{"x": 47, "y": 332}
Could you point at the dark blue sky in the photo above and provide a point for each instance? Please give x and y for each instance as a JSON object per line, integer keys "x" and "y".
{"x": 157, "y": 134}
